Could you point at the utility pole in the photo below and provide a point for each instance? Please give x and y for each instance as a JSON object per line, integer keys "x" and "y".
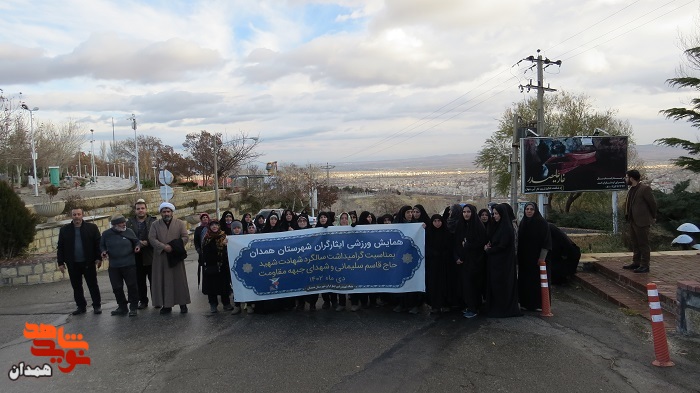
{"x": 514, "y": 165}
{"x": 541, "y": 64}
{"x": 328, "y": 174}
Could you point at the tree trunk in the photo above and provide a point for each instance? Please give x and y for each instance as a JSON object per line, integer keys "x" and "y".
{"x": 570, "y": 200}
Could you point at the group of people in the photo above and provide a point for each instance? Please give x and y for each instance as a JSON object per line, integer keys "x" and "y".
{"x": 476, "y": 262}
{"x": 141, "y": 251}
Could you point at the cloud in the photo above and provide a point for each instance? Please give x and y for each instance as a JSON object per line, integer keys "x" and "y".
{"x": 107, "y": 56}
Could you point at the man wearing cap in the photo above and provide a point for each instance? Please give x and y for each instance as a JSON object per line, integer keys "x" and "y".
{"x": 79, "y": 249}
{"x": 120, "y": 245}
{"x": 141, "y": 224}
{"x": 169, "y": 285}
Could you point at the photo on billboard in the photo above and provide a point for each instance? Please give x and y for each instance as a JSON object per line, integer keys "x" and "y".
{"x": 568, "y": 164}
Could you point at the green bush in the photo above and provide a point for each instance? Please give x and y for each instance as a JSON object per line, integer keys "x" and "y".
{"x": 148, "y": 184}
{"x": 582, "y": 219}
{"x": 678, "y": 207}
{"x": 17, "y": 227}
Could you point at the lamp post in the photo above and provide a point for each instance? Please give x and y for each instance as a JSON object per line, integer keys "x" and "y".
{"x": 216, "y": 167}
{"x": 79, "y": 166}
{"x": 136, "y": 149}
{"x": 155, "y": 183}
{"x": 93, "y": 170}
{"x": 31, "y": 125}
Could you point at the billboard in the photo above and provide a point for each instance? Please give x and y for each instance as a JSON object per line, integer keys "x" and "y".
{"x": 569, "y": 164}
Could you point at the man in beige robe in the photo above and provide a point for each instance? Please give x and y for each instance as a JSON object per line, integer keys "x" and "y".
{"x": 169, "y": 286}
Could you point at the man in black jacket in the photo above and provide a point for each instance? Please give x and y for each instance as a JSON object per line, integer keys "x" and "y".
{"x": 79, "y": 249}
{"x": 141, "y": 224}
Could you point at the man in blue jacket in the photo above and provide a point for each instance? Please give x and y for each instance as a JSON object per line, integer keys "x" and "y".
{"x": 79, "y": 249}
{"x": 120, "y": 245}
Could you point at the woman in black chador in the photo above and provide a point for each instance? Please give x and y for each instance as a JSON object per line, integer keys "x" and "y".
{"x": 501, "y": 282}
{"x": 534, "y": 241}
{"x": 216, "y": 276}
{"x": 471, "y": 258}
{"x": 438, "y": 256}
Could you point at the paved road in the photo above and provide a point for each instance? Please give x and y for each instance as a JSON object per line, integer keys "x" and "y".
{"x": 587, "y": 346}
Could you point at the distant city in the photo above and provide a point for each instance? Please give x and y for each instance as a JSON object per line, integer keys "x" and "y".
{"x": 456, "y": 175}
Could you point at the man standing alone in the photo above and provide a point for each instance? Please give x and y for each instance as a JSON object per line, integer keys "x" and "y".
{"x": 141, "y": 224}
{"x": 169, "y": 276}
{"x": 79, "y": 249}
{"x": 640, "y": 212}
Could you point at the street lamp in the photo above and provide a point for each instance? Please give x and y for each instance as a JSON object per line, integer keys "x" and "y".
{"x": 136, "y": 149}
{"x": 93, "y": 170}
{"x": 216, "y": 167}
{"x": 155, "y": 183}
{"x": 31, "y": 125}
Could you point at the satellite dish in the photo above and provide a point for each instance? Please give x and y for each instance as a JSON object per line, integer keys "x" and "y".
{"x": 688, "y": 227}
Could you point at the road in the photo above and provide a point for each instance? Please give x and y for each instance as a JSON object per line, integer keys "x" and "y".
{"x": 587, "y": 346}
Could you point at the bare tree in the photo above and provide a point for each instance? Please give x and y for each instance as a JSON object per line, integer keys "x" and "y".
{"x": 231, "y": 153}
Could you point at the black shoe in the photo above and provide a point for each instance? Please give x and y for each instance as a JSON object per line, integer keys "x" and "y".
{"x": 78, "y": 311}
{"x": 183, "y": 309}
{"x": 120, "y": 311}
{"x": 166, "y": 310}
{"x": 133, "y": 312}
{"x": 97, "y": 309}
{"x": 631, "y": 266}
{"x": 142, "y": 305}
{"x": 641, "y": 269}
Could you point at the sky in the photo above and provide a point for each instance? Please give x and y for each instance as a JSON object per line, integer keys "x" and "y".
{"x": 338, "y": 81}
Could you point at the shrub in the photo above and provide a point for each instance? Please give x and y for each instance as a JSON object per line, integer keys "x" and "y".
{"x": 17, "y": 227}
{"x": 148, "y": 184}
{"x": 73, "y": 201}
{"x": 51, "y": 191}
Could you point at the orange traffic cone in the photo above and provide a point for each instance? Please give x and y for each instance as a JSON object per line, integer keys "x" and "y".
{"x": 657, "y": 327}
{"x": 544, "y": 286}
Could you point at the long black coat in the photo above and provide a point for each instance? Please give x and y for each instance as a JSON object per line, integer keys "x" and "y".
{"x": 216, "y": 277}
{"x": 501, "y": 284}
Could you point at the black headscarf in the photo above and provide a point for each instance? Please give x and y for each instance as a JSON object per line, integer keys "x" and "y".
{"x": 423, "y": 215}
{"x": 534, "y": 232}
{"x": 453, "y": 219}
{"x": 401, "y": 216}
{"x": 471, "y": 231}
{"x": 269, "y": 228}
{"x": 501, "y": 234}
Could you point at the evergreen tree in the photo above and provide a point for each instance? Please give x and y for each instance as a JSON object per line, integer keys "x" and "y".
{"x": 691, "y": 115}
{"x": 17, "y": 227}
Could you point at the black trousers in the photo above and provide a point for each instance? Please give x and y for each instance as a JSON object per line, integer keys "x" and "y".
{"x": 118, "y": 276}
{"x": 143, "y": 273}
{"x": 76, "y": 272}
{"x": 640, "y": 245}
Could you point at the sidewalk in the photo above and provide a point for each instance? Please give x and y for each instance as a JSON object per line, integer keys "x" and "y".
{"x": 104, "y": 186}
{"x": 628, "y": 290}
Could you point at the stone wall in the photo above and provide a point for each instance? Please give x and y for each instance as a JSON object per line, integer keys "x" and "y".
{"x": 688, "y": 295}
{"x": 47, "y": 234}
{"x": 43, "y": 267}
